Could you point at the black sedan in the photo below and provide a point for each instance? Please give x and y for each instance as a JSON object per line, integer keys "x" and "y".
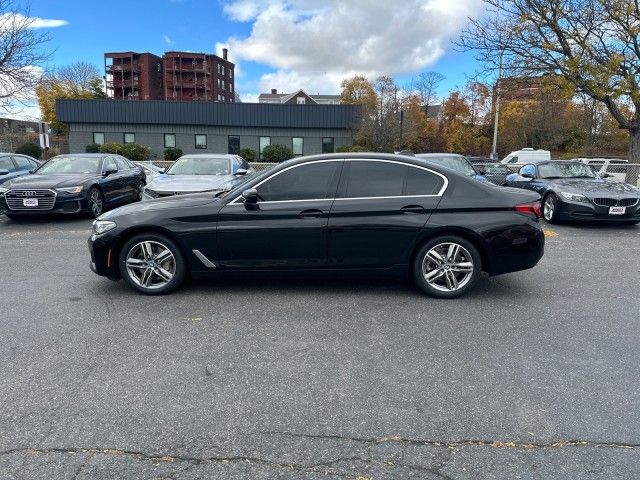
{"x": 574, "y": 191}
{"x": 336, "y": 213}
{"x": 74, "y": 183}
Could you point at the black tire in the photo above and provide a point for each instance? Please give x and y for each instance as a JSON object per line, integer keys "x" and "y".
{"x": 139, "y": 191}
{"x": 468, "y": 278}
{"x": 12, "y": 216}
{"x": 95, "y": 202}
{"x": 553, "y": 215}
{"x": 132, "y": 249}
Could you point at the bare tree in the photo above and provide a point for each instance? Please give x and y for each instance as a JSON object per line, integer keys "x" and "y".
{"x": 21, "y": 56}
{"x": 78, "y": 78}
{"x": 427, "y": 85}
{"x": 590, "y": 45}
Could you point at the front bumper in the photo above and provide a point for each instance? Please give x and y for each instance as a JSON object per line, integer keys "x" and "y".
{"x": 589, "y": 212}
{"x": 104, "y": 261}
{"x": 63, "y": 205}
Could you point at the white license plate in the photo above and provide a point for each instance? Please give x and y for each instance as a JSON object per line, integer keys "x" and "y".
{"x": 30, "y": 202}
{"x": 617, "y": 210}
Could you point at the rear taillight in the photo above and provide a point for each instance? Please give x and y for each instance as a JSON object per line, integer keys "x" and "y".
{"x": 534, "y": 209}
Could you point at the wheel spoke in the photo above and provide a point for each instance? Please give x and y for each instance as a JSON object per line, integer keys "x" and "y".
{"x": 433, "y": 275}
{"x": 164, "y": 274}
{"x": 462, "y": 267}
{"x": 163, "y": 256}
{"x": 136, "y": 263}
{"x": 146, "y": 277}
{"x": 435, "y": 257}
{"x": 452, "y": 281}
{"x": 453, "y": 252}
{"x": 147, "y": 250}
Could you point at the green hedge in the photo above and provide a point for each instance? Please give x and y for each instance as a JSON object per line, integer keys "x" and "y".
{"x": 92, "y": 148}
{"x": 172, "y": 154}
{"x": 132, "y": 151}
{"x": 31, "y": 149}
{"x": 276, "y": 153}
{"x": 249, "y": 154}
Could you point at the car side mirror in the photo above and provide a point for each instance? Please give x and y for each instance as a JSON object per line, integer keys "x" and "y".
{"x": 250, "y": 196}
{"x": 4, "y": 171}
{"x": 528, "y": 175}
{"x": 162, "y": 170}
{"x": 481, "y": 170}
{"x": 109, "y": 172}
{"x": 32, "y": 170}
{"x": 240, "y": 172}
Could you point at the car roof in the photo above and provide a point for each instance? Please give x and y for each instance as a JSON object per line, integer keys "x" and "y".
{"x": 438, "y": 155}
{"x": 97, "y": 155}
{"x": 209, "y": 155}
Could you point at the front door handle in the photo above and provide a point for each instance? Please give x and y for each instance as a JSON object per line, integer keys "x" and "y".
{"x": 311, "y": 213}
{"x": 413, "y": 209}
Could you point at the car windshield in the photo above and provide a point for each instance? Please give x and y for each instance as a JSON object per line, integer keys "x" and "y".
{"x": 566, "y": 170}
{"x": 75, "y": 164}
{"x": 459, "y": 164}
{"x": 200, "y": 166}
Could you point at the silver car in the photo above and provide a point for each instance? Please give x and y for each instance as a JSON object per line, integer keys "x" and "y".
{"x": 199, "y": 173}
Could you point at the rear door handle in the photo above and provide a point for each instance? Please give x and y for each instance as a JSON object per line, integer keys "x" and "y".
{"x": 311, "y": 213}
{"x": 413, "y": 209}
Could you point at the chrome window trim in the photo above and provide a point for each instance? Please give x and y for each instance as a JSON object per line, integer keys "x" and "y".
{"x": 439, "y": 194}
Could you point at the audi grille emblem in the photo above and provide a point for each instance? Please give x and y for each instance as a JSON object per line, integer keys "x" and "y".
{"x": 28, "y": 194}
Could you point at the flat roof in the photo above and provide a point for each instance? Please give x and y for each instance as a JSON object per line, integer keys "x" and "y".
{"x": 160, "y": 112}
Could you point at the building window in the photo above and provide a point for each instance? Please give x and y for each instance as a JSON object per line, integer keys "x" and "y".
{"x": 301, "y": 100}
{"x": 297, "y": 145}
{"x": 201, "y": 142}
{"x": 234, "y": 144}
{"x": 98, "y": 138}
{"x": 169, "y": 140}
{"x": 327, "y": 145}
{"x": 129, "y": 138}
{"x": 264, "y": 142}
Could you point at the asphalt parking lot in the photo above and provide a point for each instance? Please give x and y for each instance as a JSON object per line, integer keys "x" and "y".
{"x": 534, "y": 375}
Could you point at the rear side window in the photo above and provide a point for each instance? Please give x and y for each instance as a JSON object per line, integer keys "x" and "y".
{"x": 122, "y": 164}
{"x": 23, "y": 163}
{"x": 384, "y": 179}
{"x": 306, "y": 182}
{"x": 6, "y": 164}
{"x": 375, "y": 179}
{"x": 422, "y": 182}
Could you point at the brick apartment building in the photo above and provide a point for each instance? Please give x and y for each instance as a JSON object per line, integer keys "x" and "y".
{"x": 184, "y": 76}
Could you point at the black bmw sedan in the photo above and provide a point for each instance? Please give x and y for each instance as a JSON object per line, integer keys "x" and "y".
{"x": 574, "y": 191}
{"x": 74, "y": 183}
{"x": 336, "y": 213}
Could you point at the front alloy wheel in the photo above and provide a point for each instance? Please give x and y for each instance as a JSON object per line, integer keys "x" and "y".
{"x": 96, "y": 204}
{"x": 447, "y": 267}
{"x": 152, "y": 264}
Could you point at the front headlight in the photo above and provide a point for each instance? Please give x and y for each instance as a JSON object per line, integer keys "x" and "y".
{"x": 103, "y": 226}
{"x": 574, "y": 197}
{"x": 77, "y": 189}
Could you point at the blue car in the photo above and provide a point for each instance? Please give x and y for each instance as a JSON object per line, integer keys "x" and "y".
{"x": 13, "y": 165}
{"x": 453, "y": 161}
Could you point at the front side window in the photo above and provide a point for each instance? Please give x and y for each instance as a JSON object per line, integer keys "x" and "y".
{"x": 201, "y": 142}
{"x": 297, "y": 144}
{"x": 122, "y": 164}
{"x": 514, "y": 160}
{"x": 169, "y": 140}
{"x": 110, "y": 165}
{"x": 98, "y": 138}
{"x": 23, "y": 163}
{"x": 129, "y": 138}
{"x": 306, "y": 182}
{"x": 327, "y": 145}
{"x": 264, "y": 142}
{"x": 234, "y": 145}
{"x": 70, "y": 164}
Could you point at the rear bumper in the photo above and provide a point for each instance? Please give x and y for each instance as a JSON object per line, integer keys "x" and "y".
{"x": 517, "y": 249}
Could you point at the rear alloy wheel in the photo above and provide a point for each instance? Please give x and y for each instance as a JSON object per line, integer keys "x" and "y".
{"x": 550, "y": 208}
{"x": 96, "y": 202}
{"x": 152, "y": 264}
{"x": 447, "y": 267}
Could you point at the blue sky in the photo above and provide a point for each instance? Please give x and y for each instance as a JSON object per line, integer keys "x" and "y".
{"x": 282, "y": 44}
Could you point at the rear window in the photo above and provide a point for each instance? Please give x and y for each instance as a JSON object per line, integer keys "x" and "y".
{"x": 422, "y": 182}
{"x": 6, "y": 164}
{"x": 385, "y": 179}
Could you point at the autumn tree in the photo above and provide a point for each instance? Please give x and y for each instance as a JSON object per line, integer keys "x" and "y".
{"x": 21, "y": 56}
{"x": 426, "y": 85}
{"x": 592, "y": 44}
{"x": 79, "y": 80}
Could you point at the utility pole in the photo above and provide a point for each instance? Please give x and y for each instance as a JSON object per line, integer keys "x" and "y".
{"x": 401, "y": 125}
{"x": 494, "y": 149}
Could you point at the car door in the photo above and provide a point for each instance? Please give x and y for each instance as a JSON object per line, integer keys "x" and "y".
{"x": 129, "y": 179}
{"x": 287, "y": 228}
{"x": 379, "y": 211}
{"x": 111, "y": 184}
{"x": 8, "y": 168}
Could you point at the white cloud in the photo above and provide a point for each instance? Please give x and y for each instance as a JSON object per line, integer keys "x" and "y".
{"x": 314, "y": 44}
{"x": 167, "y": 39}
{"x": 249, "y": 98}
{"x": 34, "y": 22}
